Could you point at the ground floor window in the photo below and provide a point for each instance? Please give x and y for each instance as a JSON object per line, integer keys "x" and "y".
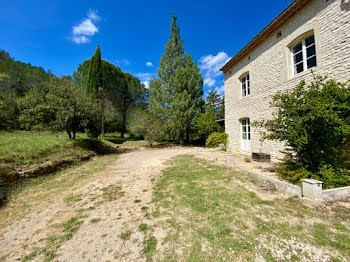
{"x": 245, "y": 129}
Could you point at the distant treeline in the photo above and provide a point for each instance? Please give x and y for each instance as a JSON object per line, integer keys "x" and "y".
{"x": 34, "y": 99}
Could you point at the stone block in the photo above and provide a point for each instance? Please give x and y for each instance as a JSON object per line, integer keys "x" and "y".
{"x": 230, "y": 160}
{"x": 213, "y": 155}
{"x": 312, "y": 190}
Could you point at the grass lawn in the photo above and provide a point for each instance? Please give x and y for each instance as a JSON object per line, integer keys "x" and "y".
{"x": 24, "y": 150}
{"x": 205, "y": 212}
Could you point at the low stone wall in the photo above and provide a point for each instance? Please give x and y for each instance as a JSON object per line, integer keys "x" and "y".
{"x": 289, "y": 188}
{"x": 311, "y": 189}
{"x": 329, "y": 195}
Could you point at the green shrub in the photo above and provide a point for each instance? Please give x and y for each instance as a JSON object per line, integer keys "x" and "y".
{"x": 205, "y": 124}
{"x": 215, "y": 139}
{"x": 314, "y": 122}
{"x": 330, "y": 177}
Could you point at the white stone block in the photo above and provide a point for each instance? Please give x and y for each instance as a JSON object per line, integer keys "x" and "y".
{"x": 230, "y": 160}
{"x": 312, "y": 189}
{"x": 213, "y": 155}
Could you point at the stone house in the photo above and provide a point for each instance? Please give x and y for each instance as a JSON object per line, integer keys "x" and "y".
{"x": 309, "y": 36}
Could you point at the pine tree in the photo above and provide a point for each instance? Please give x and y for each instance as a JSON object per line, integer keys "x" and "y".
{"x": 95, "y": 72}
{"x": 214, "y": 102}
{"x": 178, "y": 92}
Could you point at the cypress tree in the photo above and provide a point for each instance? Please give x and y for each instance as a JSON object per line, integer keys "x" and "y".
{"x": 95, "y": 72}
{"x": 95, "y": 85}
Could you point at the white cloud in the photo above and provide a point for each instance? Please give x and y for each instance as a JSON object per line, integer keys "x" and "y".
{"x": 209, "y": 81}
{"x": 92, "y": 14}
{"x": 80, "y": 39}
{"x": 210, "y": 68}
{"x": 86, "y": 28}
{"x": 122, "y": 62}
{"x": 220, "y": 90}
{"x": 149, "y": 64}
{"x": 210, "y": 65}
{"x": 146, "y": 83}
{"x": 144, "y": 76}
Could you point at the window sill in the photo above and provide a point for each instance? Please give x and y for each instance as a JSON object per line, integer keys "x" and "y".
{"x": 244, "y": 97}
{"x": 302, "y": 74}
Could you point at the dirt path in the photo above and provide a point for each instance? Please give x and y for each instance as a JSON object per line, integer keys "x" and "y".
{"x": 103, "y": 214}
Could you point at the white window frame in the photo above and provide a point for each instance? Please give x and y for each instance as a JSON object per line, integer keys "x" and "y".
{"x": 304, "y": 54}
{"x": 245, "y": 85}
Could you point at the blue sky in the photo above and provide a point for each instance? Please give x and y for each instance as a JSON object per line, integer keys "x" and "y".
{"x": 59, "y": 35}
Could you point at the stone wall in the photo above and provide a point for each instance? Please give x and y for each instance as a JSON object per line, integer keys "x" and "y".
{"x": 270, "y": 67}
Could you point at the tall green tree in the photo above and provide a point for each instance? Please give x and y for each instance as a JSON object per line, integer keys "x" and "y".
{"x": 81, "y": 75}
{"x": 122, "y": 90}
{"x": 178, "y": 91}
{"x": 215, "y": 103}
{"x": 95, "y": 80}
{"x": 95, "y": 85}
{"x": 129, "y": 94}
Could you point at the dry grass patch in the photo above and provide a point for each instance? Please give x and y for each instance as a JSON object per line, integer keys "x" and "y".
{"x": 208, "y": 214}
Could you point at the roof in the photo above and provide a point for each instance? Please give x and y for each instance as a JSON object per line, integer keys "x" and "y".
{"x": 287, "y": 13}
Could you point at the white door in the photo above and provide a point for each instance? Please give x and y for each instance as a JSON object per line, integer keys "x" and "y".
{"x": 245, "y": 124}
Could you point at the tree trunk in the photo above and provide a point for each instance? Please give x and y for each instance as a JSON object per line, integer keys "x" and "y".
{"x": 102, "y": 116}
{"x": 103, "y": 127}
{"x": 187, "y": 137}
{"x": 124, "y": 118}
{"x": 69, "y": 134}
{"x": 74, "y": 134}
{"x": 124, "y": 125}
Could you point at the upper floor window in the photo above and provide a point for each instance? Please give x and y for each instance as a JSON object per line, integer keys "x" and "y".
{"x": 304, "y": 54}
{"x": 245, "y": 84}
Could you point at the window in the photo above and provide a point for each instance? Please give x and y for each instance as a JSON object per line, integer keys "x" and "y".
{"x": 304, "y": 55}
{"x": 245, "y": 85}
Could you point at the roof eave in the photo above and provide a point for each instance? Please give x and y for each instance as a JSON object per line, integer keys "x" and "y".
{"x": 286, "y": 14}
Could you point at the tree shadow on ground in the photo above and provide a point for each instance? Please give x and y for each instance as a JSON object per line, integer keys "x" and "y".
{"x": 120, "y": 140}
{"x": 96, "y": 146}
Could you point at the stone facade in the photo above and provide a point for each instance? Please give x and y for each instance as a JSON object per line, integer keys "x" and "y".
{"x": 270, "y": 67}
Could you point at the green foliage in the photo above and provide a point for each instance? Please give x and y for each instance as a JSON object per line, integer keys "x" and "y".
{"x": 177, "y": 95}
{"x": 215, "y": 139}
{"x": 35, "y": 113}
{"x": 19, "y": 77}
{"x": 94, "y": 83}
{"x": 81, "y": 75}
{"x": 8, "y": 111}
{"x": 205, "y": 124}
{"x": 74, "y": 108}
{"x": 129, "y": 95}
{"x": 314, "y": 122}
{"x": 16, "y": 79}
{"x": 64, "y": 107}
{"x": 143, "y": 124}
{"x": 216, "y": 104}
{"x": 122, "y": 93}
